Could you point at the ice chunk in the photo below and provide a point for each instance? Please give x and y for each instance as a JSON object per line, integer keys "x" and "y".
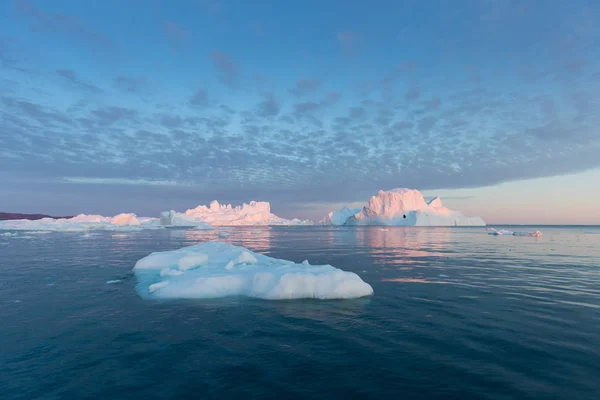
{"x": 113, "y": 281}
{"x": 224, "y": 234}
{"x": 236, "y": 271}
{"x": 401, "y": 207}
{"x": 256, "y": 232}
{"x": 504, "y": 232}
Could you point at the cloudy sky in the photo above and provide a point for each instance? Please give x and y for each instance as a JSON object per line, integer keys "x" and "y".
{"x": 140, "y": 105}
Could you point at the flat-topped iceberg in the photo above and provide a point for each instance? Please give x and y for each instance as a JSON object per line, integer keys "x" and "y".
{"x": 216, "y": 269}
{"x": 402, "y": 207}
{"x": 83, "y": 222}
{"x": 253, "y": 213}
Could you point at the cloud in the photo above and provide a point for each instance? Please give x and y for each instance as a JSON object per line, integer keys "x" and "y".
{"x": 305, "y": 86}
{"x": 71, "y": 76}
{"x": 426, "y": 124}
{"x": 269, "y": 107}
{"x": 130, "y": 84}
{"x": 199, "y": 99}
{"x": 61, "y": 23}
{"x": 36, "y": 112}
{"x": 112, "y": 114}
{"x": 307, "y": 107}
{"x": 228, "y": 70}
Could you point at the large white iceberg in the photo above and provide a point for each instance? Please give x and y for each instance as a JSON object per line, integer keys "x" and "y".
{"x": 83, "y": 222}
{"x": 216, "y": 269}
{"x": 402, "y": 207}
{"x": 253, "y": 213}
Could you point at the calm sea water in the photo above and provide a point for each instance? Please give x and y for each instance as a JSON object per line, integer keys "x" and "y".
{"x": 456, "y": 314}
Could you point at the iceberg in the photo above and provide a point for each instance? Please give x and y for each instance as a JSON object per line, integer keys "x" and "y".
{"x": 504, "y": 232}
{"x": 339, "y": 217}
{"x": 217, "y": 269}
{"x": 253, "y": 213}
{"x": 83, "y": 222}
{"x": 401, "y": 207}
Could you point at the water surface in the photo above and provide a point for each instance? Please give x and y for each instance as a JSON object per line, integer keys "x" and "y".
{"x": 456, "y": 314}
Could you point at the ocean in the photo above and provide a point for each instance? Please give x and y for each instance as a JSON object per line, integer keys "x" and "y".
{"x": 456, "y": 314}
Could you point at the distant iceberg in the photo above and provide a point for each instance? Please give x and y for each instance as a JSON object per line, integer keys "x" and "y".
{"x": 201, "y": 217}
{"x": 248, "y": 214}
{"x": 216, "y": 269}
{"x": 504, "y": 232}
{"x": 83, "y": 222}
{"x": 401, "y": 207}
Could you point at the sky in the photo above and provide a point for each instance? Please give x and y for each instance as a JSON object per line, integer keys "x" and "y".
{"x": 147, "y": 105}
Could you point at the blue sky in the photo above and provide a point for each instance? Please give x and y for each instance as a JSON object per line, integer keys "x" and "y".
{"x": 111, "y": 106}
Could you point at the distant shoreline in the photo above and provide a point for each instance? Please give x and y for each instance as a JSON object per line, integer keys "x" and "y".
{"x": 32, "y": 217}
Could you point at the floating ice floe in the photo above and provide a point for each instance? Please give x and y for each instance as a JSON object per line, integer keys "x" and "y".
{"x": 401, "y": 207}
{"x": 504, "y": 232}
{"x": 216, "y": 269}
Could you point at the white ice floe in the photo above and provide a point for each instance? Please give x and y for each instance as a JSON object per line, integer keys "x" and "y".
{"x": 504, "y": 232}
{"x": 112, "y": 282}
{"x": 224, "y": 234}
{"x": 216, "y": 269}
{"x": 401, "y": 207}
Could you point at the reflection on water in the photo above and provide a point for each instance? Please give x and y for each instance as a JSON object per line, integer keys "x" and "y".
{"x": 258, "y": 240}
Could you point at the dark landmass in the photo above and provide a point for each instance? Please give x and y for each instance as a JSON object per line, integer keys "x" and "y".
{"x": 11, "y": 216}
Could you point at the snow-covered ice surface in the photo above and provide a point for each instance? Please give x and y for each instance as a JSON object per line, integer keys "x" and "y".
{"x": 216, "y": 269}
{"x": 401, "y": 207}
{"x": 504, "y": 232}
{"x": 83, "y": 222}
{"x": 253, "y": 213}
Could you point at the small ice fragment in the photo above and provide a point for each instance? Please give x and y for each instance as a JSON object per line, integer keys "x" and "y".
{"x": 113, "y": 281}
{"x": 224, "y": 234}
{"x": 229, "y": 265}
{"x": 443, "y": 276}
{"x": 156, "y": 286}
{"x": 256, "y": 232}
{"x": 305, "y": 262}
